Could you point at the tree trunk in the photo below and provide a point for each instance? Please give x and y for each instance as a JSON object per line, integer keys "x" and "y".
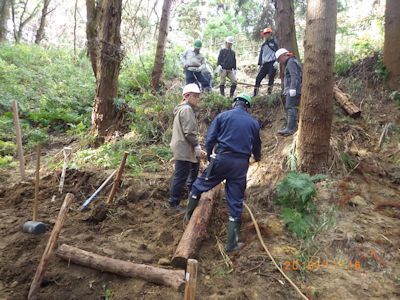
{"x": 42, "y": 25}
{"x": 173, "y": 278}
{"x": 24, "y": 18}
{"x": 161, "y": 42}
{"x": 108, "y": 65}
{"x": 4, "y": 16}
{"x": 316, "y": 110}
{"x": 285, "y": 27}
{"x": 391, "y": 54}
{"x": 93, "y": 17}
{"x": 196, "y": 230}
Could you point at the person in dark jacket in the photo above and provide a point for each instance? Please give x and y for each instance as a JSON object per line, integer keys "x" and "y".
{"x": 237, "y": 134}
{"x": 227, "y": 66}
{"x": 266, "y": 61}
{"x": 291, "y": 89}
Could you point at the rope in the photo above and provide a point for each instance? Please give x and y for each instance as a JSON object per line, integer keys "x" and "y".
{"x": 269, "y": 254}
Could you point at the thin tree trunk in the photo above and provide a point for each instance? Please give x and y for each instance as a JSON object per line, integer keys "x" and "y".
{"x": 391, "y": 53}
{"x": 75, "y": 11}
{"x": 93, "y": 15}
{"x": 42, "y": 25}
{"x": 160, "y": 52}
{"x": 4, "y": 16}
{"x": 108, "y": 65}
{"x": 316, "y": 110}
{"x": 285, "y": 26}
{"x": 21, "y": 22}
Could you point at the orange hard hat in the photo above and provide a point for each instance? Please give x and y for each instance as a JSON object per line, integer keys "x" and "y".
{"x": 267, "y": 30}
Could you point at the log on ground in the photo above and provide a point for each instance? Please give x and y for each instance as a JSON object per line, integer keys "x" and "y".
{"x": 173, "y": 278}
{"x": 344, "y": 100}
{"x": 196, "y": 229}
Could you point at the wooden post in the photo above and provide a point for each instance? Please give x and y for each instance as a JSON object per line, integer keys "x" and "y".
{"x": 19, "y": 141}
{"x": 172, "y": 278}
{"x": 35, "y": 204}
{"x": 196, "y": 229}
{"x": 191, "y": 279}
{"x": 117, "y": 180}
{"x": 44, "y": 261}
{"x": 67, "y": 153}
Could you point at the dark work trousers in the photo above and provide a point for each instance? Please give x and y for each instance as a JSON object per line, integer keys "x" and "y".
{"x": 232, "y": 168}
{"x": 266, "y": 69}
{"x": 192, "y": 77}
{"x": 185, "y": 172}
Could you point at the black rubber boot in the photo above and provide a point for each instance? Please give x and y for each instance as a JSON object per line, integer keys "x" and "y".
{"x": 232, "y": 243}
{"x": 255, "y": 91}
{"x": 291, "y": 126}
{"x": 222, "y": 90}
{"x": 232, "y": 90}
{"x": 192, "y": 203}
{"x": 269, "y": 90}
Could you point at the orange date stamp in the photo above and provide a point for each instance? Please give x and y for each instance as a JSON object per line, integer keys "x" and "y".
{"x": 310, "y": 265}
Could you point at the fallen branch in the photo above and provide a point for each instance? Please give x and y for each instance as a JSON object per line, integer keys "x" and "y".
{"x": 270, "y": 255}
{"x": 344, "y": 100}
{"x": 173, "y": 278}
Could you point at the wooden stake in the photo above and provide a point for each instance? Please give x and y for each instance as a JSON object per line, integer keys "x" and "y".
{"x": 117, "y": 180}
{"x": 36, "y": 201}
{"x": 44, "y": 261}
{"x": 67, "y": 153}
{"x": 172, "y": 278}
{"x": 19, "y": 141}
{"x": 191, "y": 279}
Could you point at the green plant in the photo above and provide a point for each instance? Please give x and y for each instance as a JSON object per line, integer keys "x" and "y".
{"x": 295, "y": 193}
{"x": 347, "y": 160}
{"x": 107, "y": 292}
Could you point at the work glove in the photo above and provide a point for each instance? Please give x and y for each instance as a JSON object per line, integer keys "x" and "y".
{"x": 292, "y": 92}
{"x": 234, "y": 72}
{"x": 276, "y": 65}
{"x": 218, "y": 69}
{"x": 198, "y": 151}
{"x": 258, "y": 68}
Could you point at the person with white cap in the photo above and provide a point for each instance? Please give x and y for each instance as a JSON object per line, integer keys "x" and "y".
{"x": 267, "y": 64}
{"x": 227, "y": 66}
{"x": 291, "y": 88}
{"x": 185, "y": 145}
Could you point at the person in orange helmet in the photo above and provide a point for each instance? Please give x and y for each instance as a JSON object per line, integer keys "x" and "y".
{"x": 267, "y": 64}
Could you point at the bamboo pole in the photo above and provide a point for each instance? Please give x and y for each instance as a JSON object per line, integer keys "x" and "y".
{"x": 191, "y": 279}
{"x": 117, "y": 180}
{"x": 36, "y": 201}
{"x": 51, "y": 244}
{"x": 19, "y": 141}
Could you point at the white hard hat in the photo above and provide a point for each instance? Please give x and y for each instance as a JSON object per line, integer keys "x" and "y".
{"x": 191, "y": 88}
{"x": 280, "y": 51}
{"x": 230, "y": 40}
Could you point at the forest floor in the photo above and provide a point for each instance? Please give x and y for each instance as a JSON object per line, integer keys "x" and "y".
{"x": 359, "y": 255}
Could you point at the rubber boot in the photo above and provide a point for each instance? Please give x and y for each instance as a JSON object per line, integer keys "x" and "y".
{"x": 232, "y": 90}
{"x": 233, "y": 237}
{"x": 291, "y": 126}
{"x": 255, "y": 91}
{"x": 222, "y": 90}
{"x": 192, "y": 203}
{"x": 269, "y": 90}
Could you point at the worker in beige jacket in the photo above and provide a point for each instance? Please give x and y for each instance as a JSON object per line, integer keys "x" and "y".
{"x": 185, "y": 145}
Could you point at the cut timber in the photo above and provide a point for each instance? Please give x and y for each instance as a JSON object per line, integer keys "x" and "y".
{"x": 173, "y": 278}
{"x": 51, "y": 244}
{"x": 196, "y": 229}
{"x": 345, "y": 102}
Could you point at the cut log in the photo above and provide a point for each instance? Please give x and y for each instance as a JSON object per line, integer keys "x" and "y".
{"x": 51, "y": 244}
{"x": 173, "y": 278}
{"x": 196, "y": 230}
{"x": 344, "y": 100}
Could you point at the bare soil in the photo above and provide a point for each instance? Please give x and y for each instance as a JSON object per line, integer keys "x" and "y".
{"x": 138, "y": 227}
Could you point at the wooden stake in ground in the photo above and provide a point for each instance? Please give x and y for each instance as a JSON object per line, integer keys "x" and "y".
{"x": 196, "y": 229}
{"x": 117, "y": 180}
{"x": 19, "y": 141}
{"x": 344, "y": 100}
{"x": 172, "y": 278}
{"x": 44, "y": 261}
{"x": 35, "y": 205}
{"x": 191, "y": 279}
{"x": 67, "y": 153}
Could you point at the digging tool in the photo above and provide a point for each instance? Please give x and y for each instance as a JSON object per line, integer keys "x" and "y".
{"x": 117, "y": 180}
{"x": 86, "y": 203}
{"x": 19, "y": 141}
{"x": 34, "y": 226}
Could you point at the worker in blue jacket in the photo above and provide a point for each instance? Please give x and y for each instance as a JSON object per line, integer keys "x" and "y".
{"x": 237, "y": 136}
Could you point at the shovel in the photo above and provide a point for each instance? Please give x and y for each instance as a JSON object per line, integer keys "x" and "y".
{"x": 34, "y": 226}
